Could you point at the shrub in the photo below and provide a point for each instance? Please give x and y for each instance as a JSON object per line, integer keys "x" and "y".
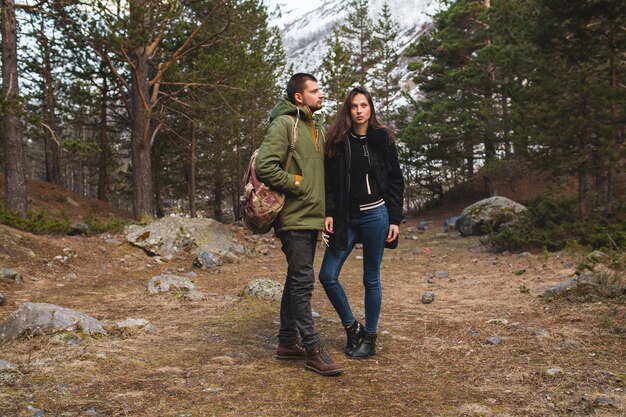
{"x": 554, "y": 225}
{"x": 97, "y": 226}
{"x": 40, "y": 222}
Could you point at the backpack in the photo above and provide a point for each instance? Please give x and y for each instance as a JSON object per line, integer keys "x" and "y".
{"x": 260, "y": 205}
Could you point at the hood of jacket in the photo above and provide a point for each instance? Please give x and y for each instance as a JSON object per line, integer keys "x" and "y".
{"x": 286, "y": 107}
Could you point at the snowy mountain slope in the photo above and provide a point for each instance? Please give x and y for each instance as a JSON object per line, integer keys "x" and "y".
{"x": 305, "y": 26}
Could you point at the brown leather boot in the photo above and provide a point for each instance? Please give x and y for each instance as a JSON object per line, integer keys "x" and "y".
{"x": 290, "y": 352}
{"x": 320, "y": 361}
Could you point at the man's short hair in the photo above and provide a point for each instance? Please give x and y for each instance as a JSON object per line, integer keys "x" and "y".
{"x": 296, "y": 84}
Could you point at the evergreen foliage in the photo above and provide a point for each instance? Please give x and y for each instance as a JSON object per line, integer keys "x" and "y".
{"x": 537, "y": 80}
{"x": 556, "y": 224}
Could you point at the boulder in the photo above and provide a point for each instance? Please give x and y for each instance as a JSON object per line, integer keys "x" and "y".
{"x": 43, "y": 318}
{"x": 172, "y": 236}
{"x": 10, "y": 274}
{"x": 164, "y": 283}
{"x": 488, "y": 214}
{"x": 568, "y": 286}
{"x": 263, "y": 288}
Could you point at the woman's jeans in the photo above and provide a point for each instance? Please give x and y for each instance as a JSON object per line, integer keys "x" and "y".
{"x": 370, "y": 227}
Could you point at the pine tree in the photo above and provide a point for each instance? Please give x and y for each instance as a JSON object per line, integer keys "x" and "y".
{"x": 14, "y": 161}
{"x": 358, "y": 31}
{"x": 384, "y": 82}
{"x": 337, "y": 74}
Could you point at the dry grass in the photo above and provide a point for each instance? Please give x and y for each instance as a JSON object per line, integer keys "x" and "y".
{"x": 215, "y": 358}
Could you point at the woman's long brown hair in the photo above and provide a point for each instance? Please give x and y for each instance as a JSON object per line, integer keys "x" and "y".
{"x": 342, "y": 125}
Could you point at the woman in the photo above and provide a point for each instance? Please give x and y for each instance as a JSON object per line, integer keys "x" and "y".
{"x": 364, "y": 187}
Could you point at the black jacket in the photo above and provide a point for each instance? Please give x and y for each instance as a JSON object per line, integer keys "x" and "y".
{"x": 386, "y": 171}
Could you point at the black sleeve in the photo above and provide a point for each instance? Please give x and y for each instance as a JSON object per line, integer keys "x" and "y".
{"x": 328, "y": 186}
{"x": 394, "y": 194}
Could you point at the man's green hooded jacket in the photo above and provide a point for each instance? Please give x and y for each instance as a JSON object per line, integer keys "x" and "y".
{"x": 304, "y": 205}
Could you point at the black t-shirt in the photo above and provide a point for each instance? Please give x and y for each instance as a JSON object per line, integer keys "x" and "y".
{"x": 364, "y": 193}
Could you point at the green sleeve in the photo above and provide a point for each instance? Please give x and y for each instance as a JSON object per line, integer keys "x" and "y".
{"x": 272, "y": 157}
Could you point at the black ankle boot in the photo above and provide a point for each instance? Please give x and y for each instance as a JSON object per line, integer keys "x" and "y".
{"x": 367, "y": 347}
{"x": 355, "y": 333}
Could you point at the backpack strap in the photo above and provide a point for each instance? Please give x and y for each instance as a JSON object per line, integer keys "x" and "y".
{"x": 294, "y": 139}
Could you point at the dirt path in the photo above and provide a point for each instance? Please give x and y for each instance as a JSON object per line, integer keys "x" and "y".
{"x": 215, "y": 358}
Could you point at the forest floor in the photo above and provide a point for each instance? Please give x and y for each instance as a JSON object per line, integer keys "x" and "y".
{"x": 216, "y": 357}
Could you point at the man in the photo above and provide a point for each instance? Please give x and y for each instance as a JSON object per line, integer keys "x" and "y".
{"x": 302, "y": 216}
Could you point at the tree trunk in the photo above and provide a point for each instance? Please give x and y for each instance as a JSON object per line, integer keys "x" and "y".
{"x": 15, "y": 179}
{"x": 156, "y": 181}
{"x": 52, "y": 146}
{"x": 217, "y": 192}
{"x": 582, "y": 193}
{"x": 103, "y": 162}
{"x": 141, "y": 138}
{"x": 192, "y": 174}
{"x": 143, "y": 207}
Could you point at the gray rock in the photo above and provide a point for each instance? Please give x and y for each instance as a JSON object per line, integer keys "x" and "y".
{"x": 494, "y": 340}
{"x": 10, "y": 274}
{"x": 166, "y": 282}
{"x": 172, "y": 236}
{"x": 442, "y": 274}
{"x": 428, "y": 297}
{"x": 473, "y": 333}
{"x": 552, "y": 372}
{"x": 263, "y": 288}
{"x": 194, "y": 296}
{"x": 78, "y": 229}
{"x": 132, "y": 323}
{"x": 604, "y": 401}
{"x": 441, "y": 236}
{"x": 569, "y": 285}
{"x": 207, "y": 260}
{"x": 315, "y": 314}
{"x": 42, "y": 318}
{"x": 488, "y": 214}
{"x": 449, "y": 224}
{"x": 7, "y": 366}
{"x": 71, "y": 276}
{"x": 524, "y": 255}
{"x": 3, "y": 299}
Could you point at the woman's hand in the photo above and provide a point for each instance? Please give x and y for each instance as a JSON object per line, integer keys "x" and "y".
{"x": 328, "y": 225}
{"x": 394, "y": 231}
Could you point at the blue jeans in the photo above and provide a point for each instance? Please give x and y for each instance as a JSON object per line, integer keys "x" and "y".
{"x": 371, "y": 227}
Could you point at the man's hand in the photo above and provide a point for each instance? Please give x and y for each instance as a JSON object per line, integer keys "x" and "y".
{"x": 328, "y": 225}
{"x": 394, "y": 231}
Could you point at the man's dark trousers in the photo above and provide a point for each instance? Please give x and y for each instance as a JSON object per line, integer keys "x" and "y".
{"x": 295, "y": 307}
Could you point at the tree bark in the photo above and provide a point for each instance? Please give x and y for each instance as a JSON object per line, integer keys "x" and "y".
{"x": 103, "y": 161}
{"x": 192, "y": 173}
{"x": 156, "y": 181}
{"x": 15, "y": 179}
{"x": 141, "y": 138}
{"x": 52, "y": 146}
{"x": 143, "y": 207}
